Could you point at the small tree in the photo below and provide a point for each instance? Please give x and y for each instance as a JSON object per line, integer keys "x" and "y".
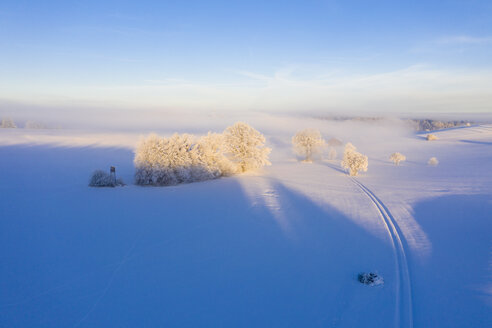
{"x": 34, "y": 125}
{"x": 431, "y": 137}
{"x": 100, "y": 178}
{"x": 8, "y": 123}
{"x": 245, "y": 146}
{"x": 397, "y": 158}
{"x": 354, "y": 161}
{"x": 308, "y": 143}
{"x": 433, "y": 161}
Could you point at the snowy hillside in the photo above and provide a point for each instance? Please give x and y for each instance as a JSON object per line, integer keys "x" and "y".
{"x": 280, "y": 247}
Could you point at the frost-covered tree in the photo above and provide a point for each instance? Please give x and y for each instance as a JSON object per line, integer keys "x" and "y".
{"x": 332, "y": 154}
{"x": 348, "y": 148}
{"x": 184, "y": 158}
{"x": 354, "y": 161}
{"x": 308, "y": 143}
{"x": 245, "y": 147}
{"x": 209, "y": 151}
{"x": 34, "y": 125}
{"x": 8, "y": 123}
{"x": 100, "y": 178}
{"x": 431, "y": 137}
{"x": 166, "y": 161}
{"x": 433, "y": 161}
{"x": 397, "y": 158}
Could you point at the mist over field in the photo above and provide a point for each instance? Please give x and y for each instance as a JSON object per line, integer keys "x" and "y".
{"x": 245, "y": 163}
{"x": 105, "y": 119}
{"x": 269, "y": 241}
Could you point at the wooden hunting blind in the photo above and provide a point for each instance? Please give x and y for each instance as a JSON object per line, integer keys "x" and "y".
{"x": 112, "y": 173}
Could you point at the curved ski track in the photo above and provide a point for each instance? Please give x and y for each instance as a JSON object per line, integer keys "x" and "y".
{"x": 403, "y": 309}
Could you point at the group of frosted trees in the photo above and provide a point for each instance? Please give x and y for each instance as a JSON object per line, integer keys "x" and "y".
{"x": 309, "y": 144}
{"x": 8, "y": 123}
{"x": 184, "y": 158}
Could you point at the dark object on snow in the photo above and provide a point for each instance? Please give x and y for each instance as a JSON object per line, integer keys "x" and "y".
{"x": 370, "y": 278}
{"x": 102, "y": 179}
{"x": 112, "y": 174}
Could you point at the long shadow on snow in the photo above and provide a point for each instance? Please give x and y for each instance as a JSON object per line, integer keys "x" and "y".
{"x": 334, "y": 167}
{"x": 452, "y": 288}
{"x": 62, "y": 166}
{"x": 189, "y": 255}
{"x": 487, "y": 143}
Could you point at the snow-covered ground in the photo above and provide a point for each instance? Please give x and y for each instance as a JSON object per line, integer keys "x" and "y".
{"x": 281, "y": 247}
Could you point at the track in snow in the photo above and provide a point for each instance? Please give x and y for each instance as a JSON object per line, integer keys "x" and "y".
{"x": 403, "y": 309}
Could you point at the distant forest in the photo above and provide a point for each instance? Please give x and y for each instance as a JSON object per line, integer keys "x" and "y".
{"x": 417, "y": 124}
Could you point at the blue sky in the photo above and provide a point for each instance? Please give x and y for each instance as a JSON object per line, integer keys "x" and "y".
{"x": 261, "y": 55}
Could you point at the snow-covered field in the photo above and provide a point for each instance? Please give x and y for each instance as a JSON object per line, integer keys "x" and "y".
{"x": 281, "y": 247}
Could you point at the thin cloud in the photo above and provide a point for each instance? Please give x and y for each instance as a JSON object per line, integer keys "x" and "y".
{"x": 254, "y": 76}
{"x": 415, "y": 88}
{"x": 456, "y": 42}
{"x": 464, "y": 39}
{"x": 168, "y": 81}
